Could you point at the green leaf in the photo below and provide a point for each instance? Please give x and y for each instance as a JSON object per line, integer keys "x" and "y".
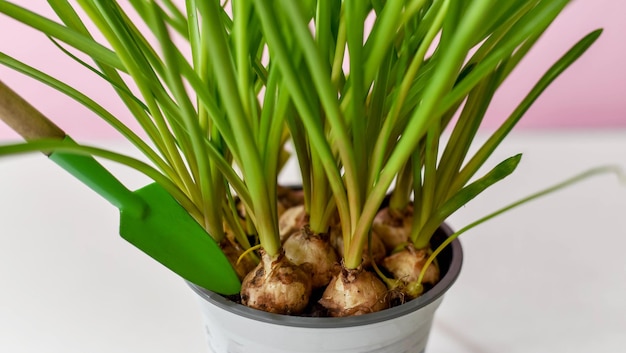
{"x": 462, "y": 197}
{"x": 497, "y": 137}
{"x": 86, "y": 101}
{"x": 611, "y": 169}
{"x": 279, "y": 51}
{"x": 83, "y": 43}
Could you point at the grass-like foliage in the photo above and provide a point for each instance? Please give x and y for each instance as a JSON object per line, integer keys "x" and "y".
{"x": 361, "y": 90}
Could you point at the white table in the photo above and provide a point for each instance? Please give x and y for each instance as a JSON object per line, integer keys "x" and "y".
{"x": 548, "y": 277}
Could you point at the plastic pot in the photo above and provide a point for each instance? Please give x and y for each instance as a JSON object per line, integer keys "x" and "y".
{"x": 234, "y": 328}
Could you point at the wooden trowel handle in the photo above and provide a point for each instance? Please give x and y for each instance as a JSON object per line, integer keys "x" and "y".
{"x": 31, "y": 124}
{"x": 24, "y": 118}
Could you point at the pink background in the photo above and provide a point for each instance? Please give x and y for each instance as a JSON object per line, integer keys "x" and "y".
{"x": 591, "y": 94}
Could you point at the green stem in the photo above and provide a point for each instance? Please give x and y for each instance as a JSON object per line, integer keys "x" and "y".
{"x": 208, "y": 192}
{"x": 383, "y": 140}
{"x": 328, "y": 98}
{"x": 281, "y": 54}
{"x": 267, "y": 223}
{"x": 452, "y": 57}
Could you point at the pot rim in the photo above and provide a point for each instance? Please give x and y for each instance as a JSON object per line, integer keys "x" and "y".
{"x": 427, "y": 298}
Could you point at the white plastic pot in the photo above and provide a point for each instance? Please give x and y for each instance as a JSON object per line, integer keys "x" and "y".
{"x": 234, "y": 328}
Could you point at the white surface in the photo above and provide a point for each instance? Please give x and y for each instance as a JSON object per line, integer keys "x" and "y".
{"x": 548, "y": 277}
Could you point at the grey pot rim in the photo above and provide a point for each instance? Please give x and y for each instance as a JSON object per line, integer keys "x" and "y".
{"x": 425, "y": 299}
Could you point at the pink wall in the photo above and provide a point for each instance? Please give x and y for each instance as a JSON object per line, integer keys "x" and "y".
{"x": 592, "y": 93}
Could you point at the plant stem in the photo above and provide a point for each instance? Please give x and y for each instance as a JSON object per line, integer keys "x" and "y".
{"x": 266, "y": 220}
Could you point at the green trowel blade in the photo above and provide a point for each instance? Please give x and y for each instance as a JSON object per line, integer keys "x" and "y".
{"x": 153, "y": 221}
{"x": 170, "y": 235}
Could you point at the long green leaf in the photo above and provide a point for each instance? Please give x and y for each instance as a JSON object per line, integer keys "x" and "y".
{"x": 328, "y": 98}
{"x": 64, "y": 34}
{"x": 88, "y": 103}
{"x": 452, "y": 57}
{"x": 553, "y": 72}
{"x": 314, "y": 131}
{"x": 223, "y": 67}
{"x": 204, "y": 178}
{"x": 545, "y": 192}
{"x": 462, "y": 197}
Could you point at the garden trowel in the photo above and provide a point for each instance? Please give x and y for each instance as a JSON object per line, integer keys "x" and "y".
{"x": 150, "y": 218}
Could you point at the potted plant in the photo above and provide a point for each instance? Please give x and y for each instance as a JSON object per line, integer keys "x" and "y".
{"x": 370, "y": 96}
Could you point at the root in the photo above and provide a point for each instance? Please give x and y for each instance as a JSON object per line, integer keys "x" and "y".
{"x": 242, "y": 263}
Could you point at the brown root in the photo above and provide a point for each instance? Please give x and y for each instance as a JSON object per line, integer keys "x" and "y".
{"x": 233, "y": 252}
{"x": 407, "y": 264}
{"x": 277, "y": 286}
{"x": 354, "y": 292}
{"x": 314, "y": 252}
{"x": 393, "y": 229}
